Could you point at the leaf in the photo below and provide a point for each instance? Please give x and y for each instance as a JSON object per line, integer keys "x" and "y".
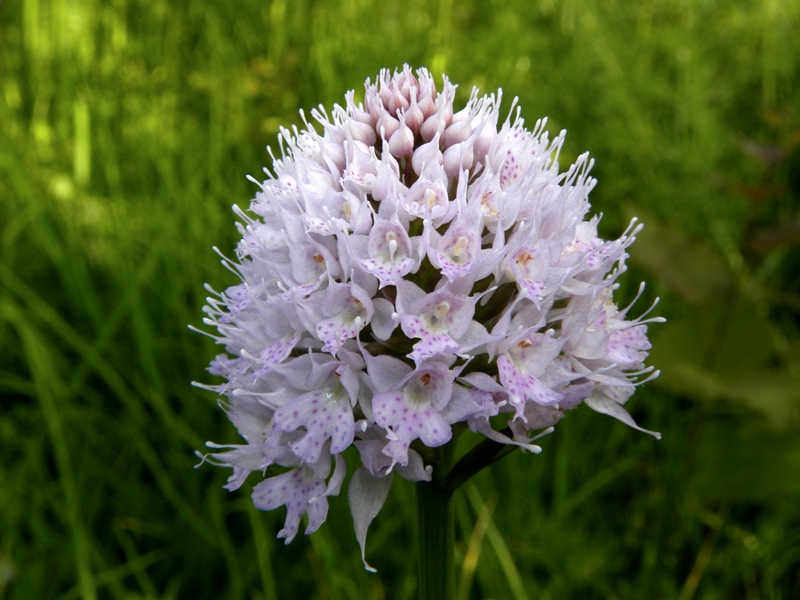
{"x": 745, "y": 460}
{"x": 689, "y": 267}
{"x": 773, "y": 394}
{"x": 743, "y": 372}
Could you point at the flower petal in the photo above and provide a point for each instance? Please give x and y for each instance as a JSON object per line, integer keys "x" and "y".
{"x": 367, "y": 495}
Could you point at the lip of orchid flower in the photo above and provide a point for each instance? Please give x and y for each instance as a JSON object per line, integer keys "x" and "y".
{"x": 521, "y": 368}
{"x": 391, "y": 249}
{"x": 413, "y": 410}
{"x": 439, "y": 320}
{"x": 348, "y": 308}
{"x": 389, "y": 252}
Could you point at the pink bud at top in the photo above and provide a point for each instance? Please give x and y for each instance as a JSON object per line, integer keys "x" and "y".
{"x": 386, "y": 88}
{"x": 402, "y": 141}
{"x": 407, "y": 81}
{"x": 387, "y": 125}
{"x": 414, "y": 116}
{"x": 362, "y": 132}
{"x": 435, "y": 123}
{"x": 458, "y": 158}
{"x": 397, "y": 101}
{"x": 426, "y": 96}
{"x": 483, "y": 141}
{"x": 427, "y": 154}
{"x": 459, "y": 131}
{"x": 373, "y": 105}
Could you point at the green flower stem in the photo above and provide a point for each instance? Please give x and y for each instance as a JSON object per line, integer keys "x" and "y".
{"x": 436, "y": 531}
{"x": 481, "y": 456}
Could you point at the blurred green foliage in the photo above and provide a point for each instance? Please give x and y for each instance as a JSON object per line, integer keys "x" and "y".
{"x": 126, "y": 129}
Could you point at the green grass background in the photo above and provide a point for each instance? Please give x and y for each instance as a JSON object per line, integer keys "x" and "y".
{"x": 126, "y": 130}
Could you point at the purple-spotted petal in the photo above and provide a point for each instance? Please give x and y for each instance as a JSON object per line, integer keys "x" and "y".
{"x": 302, "y": 492}
{"x": 345, "y": 325}
{"x": 389, "y": 249}
{"x": 523, "y": 386}
{"x": 467, "y": 404}
{"x": 324, "y": 415}
{"x": 430, "y": 343}
{"x": 406, "y": 424}
{"x": 628, "y": 347}
{"x": 389, "y": 271}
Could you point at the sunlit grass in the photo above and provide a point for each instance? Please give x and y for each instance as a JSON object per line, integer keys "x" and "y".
{"x": 126, "y": 130}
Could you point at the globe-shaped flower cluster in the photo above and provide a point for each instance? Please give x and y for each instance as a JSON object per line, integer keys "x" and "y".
{"x": 408, "y": 268}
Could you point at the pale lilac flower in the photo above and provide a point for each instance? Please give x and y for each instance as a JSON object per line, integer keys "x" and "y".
{"x": 406, "y": 268}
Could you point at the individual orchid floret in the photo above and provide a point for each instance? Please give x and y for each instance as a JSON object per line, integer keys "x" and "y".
{"x": 437, "y": 320}
{"x": 412, "y": 411}
{"x": 389, "y": 249}
{"x": 458, "y": 251}
{"x": 371, "y": 443}
{"x": 521, "y": 366}
{"x": 350, "y": 309}
{"x": 428, "y": 197}
{"x": 302, "y": 491}
{"x": 530, "y": 267}
{"x": 326, "y": 414}
{"x": 409, "y": 274}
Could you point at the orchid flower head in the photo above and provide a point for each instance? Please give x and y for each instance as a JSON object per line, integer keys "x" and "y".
{"x": 408, "y": 274}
